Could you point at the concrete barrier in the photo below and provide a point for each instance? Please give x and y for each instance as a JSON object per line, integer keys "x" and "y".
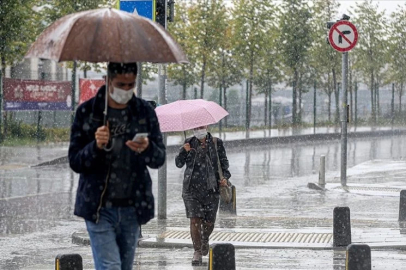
{"x": 341, "y": 227}
{"x": 68, "y": 262}
{"x": 221, "y": 257}
{"x": 358, "y": 257}
{"x": 402, "y": 206}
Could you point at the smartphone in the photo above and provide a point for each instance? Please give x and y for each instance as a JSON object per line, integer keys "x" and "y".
{"x": 139, "y": 136}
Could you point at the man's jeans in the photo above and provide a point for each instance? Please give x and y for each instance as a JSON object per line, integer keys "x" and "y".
{"x": 114, "y": 238}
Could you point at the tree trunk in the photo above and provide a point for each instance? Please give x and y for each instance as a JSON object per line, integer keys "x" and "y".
{"x": 3, "y": 69}
{"x": 337, "y": 97}
{"x": 184, "y": 91}
{"x": 356, "y": 103}
{"x": 203, "y": 78}
{"x": 378, "y": 107}
{"x": 350, "y": 88}
{"x": 270, "y": 103}
{"x": 351, "y": 105}
{"x": 266, "y": 107}
{"x": 250, "y": 90}
{"x": 372, "y": 97}
{"x": 400, "y": 97}
{"x": 294, "y": 97}
{"x": 299, "y": 118}
{"x": 225, "y": 105}
{"x": 3, "y": 66}
{"x": 329, "y": 106}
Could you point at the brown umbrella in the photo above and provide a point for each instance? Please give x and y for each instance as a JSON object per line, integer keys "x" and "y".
{"x": 106, "y": 35}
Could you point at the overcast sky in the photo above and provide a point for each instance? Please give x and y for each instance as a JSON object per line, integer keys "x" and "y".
{"x": 387, "y": 5}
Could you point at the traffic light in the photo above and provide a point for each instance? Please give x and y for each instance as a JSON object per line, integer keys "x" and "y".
{"x": 329, "y": 25}
{"x": 160, "y": 12}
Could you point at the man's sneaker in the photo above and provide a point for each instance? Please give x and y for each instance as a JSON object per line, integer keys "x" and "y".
{"x": 197, "y": 258}
{"x": 205, "y": 247}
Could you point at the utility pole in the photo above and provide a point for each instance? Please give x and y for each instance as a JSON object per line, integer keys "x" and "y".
{"x": 162, "y": 18}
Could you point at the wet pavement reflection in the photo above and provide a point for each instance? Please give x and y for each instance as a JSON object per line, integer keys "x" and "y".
{"x": 36, "y": 207}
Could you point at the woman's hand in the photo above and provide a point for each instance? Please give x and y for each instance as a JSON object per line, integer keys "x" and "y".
{"x": 223, "y": 182}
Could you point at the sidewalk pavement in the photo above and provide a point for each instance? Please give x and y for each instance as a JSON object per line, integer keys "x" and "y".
{"x": 296, "y": 229}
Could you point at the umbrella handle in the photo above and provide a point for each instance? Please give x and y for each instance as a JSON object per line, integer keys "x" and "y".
{"x": 107, "y": 100}
{"x": 111, "y": 147}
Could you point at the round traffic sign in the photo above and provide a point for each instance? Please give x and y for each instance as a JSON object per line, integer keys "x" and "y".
{"x": 343, "y": 36}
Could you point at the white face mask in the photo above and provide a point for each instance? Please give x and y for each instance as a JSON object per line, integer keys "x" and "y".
{"x": 200, "y": 133}
{"x": 122, "y": 96}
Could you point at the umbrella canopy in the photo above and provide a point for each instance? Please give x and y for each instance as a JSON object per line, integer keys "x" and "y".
{"x": 106, "y": 35}
{"x": 183, "y": 115}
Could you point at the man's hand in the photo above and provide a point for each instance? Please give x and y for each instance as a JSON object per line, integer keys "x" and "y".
{"x": 186, "y": 146}
{"x": 223, "y": 183}
{"x": 102, "y": 136}
{"x": 139, "y": 145}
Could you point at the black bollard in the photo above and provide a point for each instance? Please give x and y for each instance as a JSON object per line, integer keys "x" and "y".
{"x": 342, "y": 227}
{"x": 358, "y": 257}
{"x": 68, "y": 262}
{"x": 402, "y": 206}
{"x": 222, "y": 257}
{"x": 231, "y": 207}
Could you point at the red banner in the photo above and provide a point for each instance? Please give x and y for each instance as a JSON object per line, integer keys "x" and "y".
{"x": 89, "y": 88}
{"x": 36, "y": 91}
{"x": 36, "y": 95}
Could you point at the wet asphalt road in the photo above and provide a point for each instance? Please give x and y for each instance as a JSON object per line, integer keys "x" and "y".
{"x": 36, "y": 206}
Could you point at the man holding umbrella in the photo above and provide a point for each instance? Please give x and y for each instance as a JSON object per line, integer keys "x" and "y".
{"x": 114, "y": 194}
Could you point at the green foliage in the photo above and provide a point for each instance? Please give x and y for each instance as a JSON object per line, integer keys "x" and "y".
{"x": 323, "y": 58}
{"x": 206, "y": 30}
{"x": 182, "y": 74}
{"x": 397, "y": 49}
{"x": 18, "y": 28}
{"x": 19, "y": 130}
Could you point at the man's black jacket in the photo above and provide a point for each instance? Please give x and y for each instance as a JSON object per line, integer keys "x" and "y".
{"x": 94, "y": 164}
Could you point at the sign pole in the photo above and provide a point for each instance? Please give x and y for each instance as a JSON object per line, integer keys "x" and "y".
{"x": 343, "y": 37}
{"x": 162, "y": 172}
{"x": 344, "y": 120}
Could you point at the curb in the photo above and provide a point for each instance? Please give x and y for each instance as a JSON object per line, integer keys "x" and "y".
{"x": 269, "y": 140}
{"x": 82, "y": 239}
{"x": 57, "y": 161}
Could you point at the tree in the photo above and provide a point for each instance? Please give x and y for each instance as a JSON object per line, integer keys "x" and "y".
{"x": 372, "y": 46}
{"x": 207, "y": 23}
{"x": 324, "y": 59}
{"x": 19, "y": 23}
{"x": 269, "y": 69}
{"x": 295, "y": 42}
{"x": 183, "y": 75}
{"x": 225, "y": 71}
{"x": 251, "y": 21}
{"x": 396, "y": 52}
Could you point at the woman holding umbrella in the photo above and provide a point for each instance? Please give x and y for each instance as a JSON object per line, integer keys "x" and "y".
{"x": 201, "y": 185}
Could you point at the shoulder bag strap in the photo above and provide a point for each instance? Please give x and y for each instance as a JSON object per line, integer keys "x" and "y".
{"x": 220, "y": 171}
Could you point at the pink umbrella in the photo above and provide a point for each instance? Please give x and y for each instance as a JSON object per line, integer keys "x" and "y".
{"x": 183, "y": 115}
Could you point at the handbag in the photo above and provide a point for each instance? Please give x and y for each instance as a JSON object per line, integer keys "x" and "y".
{"x": 226, "y": 193}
